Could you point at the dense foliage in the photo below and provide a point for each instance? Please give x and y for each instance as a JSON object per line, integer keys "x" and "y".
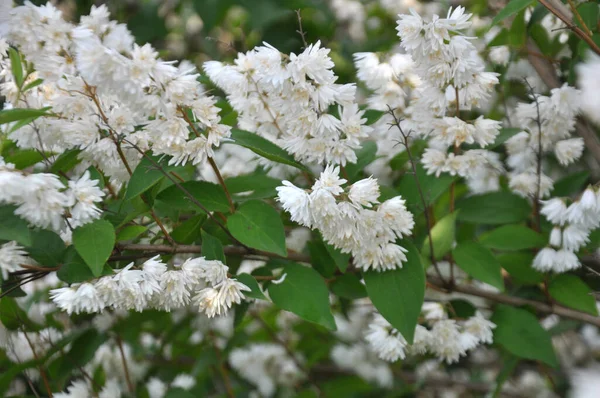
{"x": 307, "y": 198}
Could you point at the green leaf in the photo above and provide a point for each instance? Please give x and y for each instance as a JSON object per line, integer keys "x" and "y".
{"x": 13, "y": 227}
{"x": 372, "y": 116}
{"x": 25, "y": 158}
{"x": 131, "y": 232}
{"x": 94, "y": 242}
{"x": 431, "y": 185}
{"x": 66, "y": 161}
{"x": 253, "y": 186}
{"x": 512, "y": 237}
{"x": 364, "y": 156}
{"x": 13, "y": 317}
{"x": 342, "y": 260}
{"x": 303, "y": 292}
{"x": 16, "y": 66}
{"x": 479, "y": 262}
{"x": 321, "y": 259}
{"x": 493, "y": 208}
{"x": 573, "y": 292}
{"x": 32, "y": 84}
{"x": 398, "y": 295}
{"x": 518, "y": 265}
{"x": 442, "y": 235}
{"x": 512, "y": 8}
{"x": 211, "y": 196}
{"x": 47, "y": 248}
{"x": 249, "y": 281}
{"x": 571, "y": 184}
{"x": 520, "y": 333}
{"x": 503, "y": 136}
{"x": 264, "y": 148}
{"x": 589, "y": 14}
{"x": 258, "y": 225}
{"x": 75, "y": 270}
{"x": 348, "y": 286}
{"x": 189, "y": 230}
{"x": 146, "y": 175}
{"x": 212, "y": 248}
{"x": 13, "y": 115}
{"x": 518, "y": 30}
{"x": 400, "y": 161}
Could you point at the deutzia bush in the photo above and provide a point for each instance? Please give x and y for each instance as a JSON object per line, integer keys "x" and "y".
{"x": 404, "y": 202}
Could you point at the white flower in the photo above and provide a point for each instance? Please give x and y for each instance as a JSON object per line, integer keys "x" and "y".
{"x": 385, "y": 341}
{"x": 555, "y": 211}
{"x": 208, "y": 302}
{"x": 556, "y": 237}
{"x": 156, "y": 388}
{"x": 479, "y": 327}
{"x": 230, "y": 292}
{"x": 573, "y": 238}
{"x": 77, "y": 389}
{"x": 445, "y": 341}
{"x": 184, "y": 381}
{"x": 330, "y": 180}
{"x": 588, "y": 199}
{"x": 499, "y": 55}
{"x": 364, "y": 192}
{"x": 295, "y": 201}
{"x": 197, "y": 269}
{"x": 64, "y": 298}
{"x": 433, "y": 311}
{"x": 565, "y": 261}
{"x": 545, "y": 259}
{"x": 588, "y": 81}
{"x": 568, "y": 151}
{"x": 11, "y": 257}
{"x": 174, "y": 290}
{"x": 111, "y": 389}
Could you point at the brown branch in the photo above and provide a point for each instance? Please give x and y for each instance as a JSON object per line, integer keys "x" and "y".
{"x": 125, "y": 367}
{"x": 518, "y": 301}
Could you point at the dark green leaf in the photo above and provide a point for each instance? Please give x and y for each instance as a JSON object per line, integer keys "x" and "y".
{"x": 16, "y": 66}
{"x": 259, "y": 226}
{"x": 512, "y": 237}
{"x": 25, "y": 158}
{"x": 512, "y": 8}
{"x": 303, "y": 292}
{"x": 442, "y": 235}
{"x": 249, "y": 281}
{"x": 94, "y": 242}
{"x": 188, "y": 231}
{"x": 146, "y": 175}
{"x": 342, "y": 260}
{"x": 573, "y": 292}
{"x": 13, "y": 115}
{"x": 505, "y": 134}
{"x": 66, "y": 161}
{"x": 348, "y": 286}
{"x": 212, "y": 248}
{"x": 211, "y": 196}
{"x": 571, "y": 184}
{"x": 131, "y": 232}
{"x": 364, "y": 155}
{"x": 264, "y": 148}
{"x": 13, "y": 317}
{"x": 431, "y": 185}
{"x": 589, "y": 14}
{"x": 33, "y": 84}
{"x": 13, "y": 227}
{"x": 518, "y": 265}
{"x": 479, "y": 262}
{"x": 253, "y": 186}
{"x": 519, "y": 332}
{"x": 494, "y": 208}
{"x": 47, "y": 248}
{"x": 321, "y": 259}
{"x": 372, "y": 116}
{"x": 75, "y": 270}
{"x": 398, "y": 295}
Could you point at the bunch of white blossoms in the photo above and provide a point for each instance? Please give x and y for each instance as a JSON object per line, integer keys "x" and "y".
{"x": 285, "y": 99}
{"x": 154, "y": 286}
{"x": 266, "y": 365}
{"x": 106, "y": 94}
{"x": 587, "y": 79}
{"x": 447, "y": 339}
{"x": 45, "y": 202}
{"x": 573, "y": 224}
{"x": 452, "y": 79}
{"x": 347, "y": 219}
{"x": 556, "y": 116}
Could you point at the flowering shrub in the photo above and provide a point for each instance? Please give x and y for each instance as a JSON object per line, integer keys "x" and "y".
{"x": 267, "y": 226}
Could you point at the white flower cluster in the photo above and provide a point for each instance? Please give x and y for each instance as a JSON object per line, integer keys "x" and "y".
{"x": 448, "y": 339}
{"x": 105, "y": 90}
{"x": 154, "y": 286}
{"x": 82, "y": 388}
{"x": 589, "y": 84}
{"x": 158, "y": 388}
{"x": 573, "y": 224}
{"x": 358, "y": 358}
{"x": 265, "y": 365}
{"x": 285, "y": 99}
{"x": 351, "y": 14}
{"x": 557, "y": 120}
{"x": 452, "y": 79}
{"x": 11, "y": 257}
{"x": 44, "y": 201}
{"x": 346, "y": 218}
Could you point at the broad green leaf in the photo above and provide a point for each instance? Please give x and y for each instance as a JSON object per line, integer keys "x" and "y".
{"x": 13, "y": 227}
{"x": 146, "y": 175}
{"x": 398, "y": 295}
{"x": 431, "y": 186}
{"x": 479, "y": 262}
{"x": 372, "y": 116}
{"x": 212, "y": 248}
{"x": 303, "y": 292}
{"x": 84, "y": 347}
{"x": 66, "y": 161}
{"x": 189, "y": 230}
{"x": 518, "y": 30}
{"x": 512, "y": 237}
{"x": 94, "y": 242}
{"x": 400, "y": 161}
{"x": 510, "y": 363}
{"x": 25, "y": 158}
{"x": 512, "y": 8}
{"x": 342, "y": 260}
{"x": 264, "y": 148}
{"x": 518, "y": 265}
{"x": 493, "y": 208}
{"x": 13, "y": 115}
{"x": 13, "y": 317}
{"x": 321, "y": 259}
{"x": 258, "y": 225}
{"x": 505, "y": 134}
{"x": 442, "y": 235}
{"x": 364, "y": 156}
{"x": 570, "y": 184}
{"x": 249, "y": 281}
{"x": 253, "y": 186}
{"x": 519, "y": 332}
{"x": 47, "y": 248}
{"x": 348, "y": 286}
{"x": 589, "y": 14}
{"x": 75, "y": 270}
{"x": 211, "y": 196}
{"x": 131, "y": 232}
{"x": 16, "y": 66}
{"x": 32, "y": 84}
{"x": 573, "y": 292}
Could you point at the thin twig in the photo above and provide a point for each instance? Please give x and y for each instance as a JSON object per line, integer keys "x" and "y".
{"x": 300, "y": 30}
{"x": 40, "y": 368}
{"x": 124, "y": 361}
{"x": 222, "y": 368}
{"x": 536, "y": 200}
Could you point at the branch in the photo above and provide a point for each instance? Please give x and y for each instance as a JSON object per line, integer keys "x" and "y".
{"x": 518, "y": 301}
